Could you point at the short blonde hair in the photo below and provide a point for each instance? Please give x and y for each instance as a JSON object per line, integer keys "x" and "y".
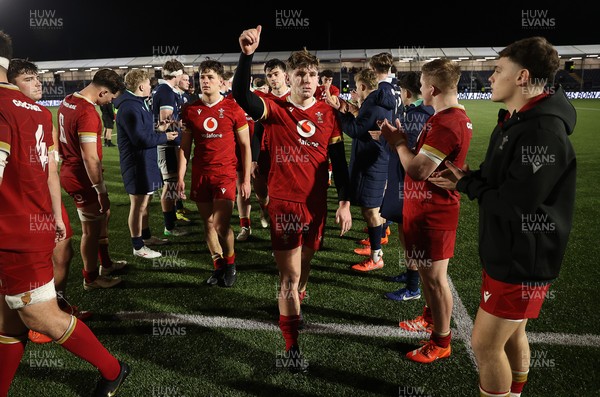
{"x": 368, "y": 78}
{"x": 442, "y": 73}
{"x": 134, "y": 78}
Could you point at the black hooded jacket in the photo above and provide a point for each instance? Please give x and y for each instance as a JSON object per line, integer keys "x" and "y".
{"x": 526, "y": 192}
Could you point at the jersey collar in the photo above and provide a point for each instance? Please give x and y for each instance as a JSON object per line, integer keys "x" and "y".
{"x": 78, "y": 95}
{"x": 289, "y": 99}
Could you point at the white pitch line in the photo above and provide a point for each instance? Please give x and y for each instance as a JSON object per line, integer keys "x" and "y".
{"x": 552, "y": 338}
{"x": 376, "y": 331}
{"x": 463, "y": 322}
{"x": 462, "y": 330}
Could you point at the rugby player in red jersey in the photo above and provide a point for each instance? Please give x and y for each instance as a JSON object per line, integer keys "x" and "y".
{"x": 302, "y": 134}
{"x": 24, "y": 74}
{"x": 216, "y": 125}
{"x": 430, "y": 213}
{"x": 81, "y": 173}
{"x": 30, "y": 224}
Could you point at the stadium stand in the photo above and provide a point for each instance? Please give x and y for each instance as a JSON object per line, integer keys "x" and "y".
{"x": 580, "y": 65}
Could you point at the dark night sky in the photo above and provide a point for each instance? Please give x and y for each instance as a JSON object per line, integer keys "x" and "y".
{"x": 105, "y": 29}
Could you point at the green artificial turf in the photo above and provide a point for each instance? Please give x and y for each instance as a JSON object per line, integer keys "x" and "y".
{"x": 191, "y": 360}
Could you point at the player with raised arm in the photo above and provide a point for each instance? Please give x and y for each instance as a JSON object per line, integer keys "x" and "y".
{"x": 302, "y": 133}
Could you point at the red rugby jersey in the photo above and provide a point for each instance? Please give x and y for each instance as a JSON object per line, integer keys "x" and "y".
{"x": 26, "y": 219}
{"x": 78, "y": 122}
{"x": 445, "y": 136}
{"x": 213, "y": 129}
{"x": 299, "y": 138}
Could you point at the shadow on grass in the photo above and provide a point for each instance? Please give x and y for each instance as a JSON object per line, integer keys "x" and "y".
{"x": 82, "y": 382}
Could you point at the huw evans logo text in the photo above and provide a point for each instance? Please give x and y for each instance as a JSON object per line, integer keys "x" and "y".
{"x": 44, "y": 19}
{"x": 537, "y": 19}
{"x": 291, "y": 19}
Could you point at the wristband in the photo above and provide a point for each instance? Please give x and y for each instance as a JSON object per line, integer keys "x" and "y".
{"x": 100, "y": 187}
{"x": 55, "y": 154}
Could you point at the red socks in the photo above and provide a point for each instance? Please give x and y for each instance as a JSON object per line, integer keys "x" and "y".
{"x": 289, "y": 328}
{"x": 11, "y": 352}
{"x": 90, "y": 276}
{"x": 441, "y": 341}
{"x": 221, "y": 262}
{"x": 245, "y": 222}
{"x": 79, "y": 340}
{"x": 519, "y": 378}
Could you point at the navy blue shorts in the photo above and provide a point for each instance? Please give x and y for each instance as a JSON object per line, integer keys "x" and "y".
{"x": 367, "y": 191}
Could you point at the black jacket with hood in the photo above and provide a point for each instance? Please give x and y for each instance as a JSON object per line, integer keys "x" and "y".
{"x": 526, "y": 192}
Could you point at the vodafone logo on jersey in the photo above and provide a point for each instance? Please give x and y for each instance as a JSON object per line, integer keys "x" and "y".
{"x": 306, "y": 128}
{"x": 210, "y": 124}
